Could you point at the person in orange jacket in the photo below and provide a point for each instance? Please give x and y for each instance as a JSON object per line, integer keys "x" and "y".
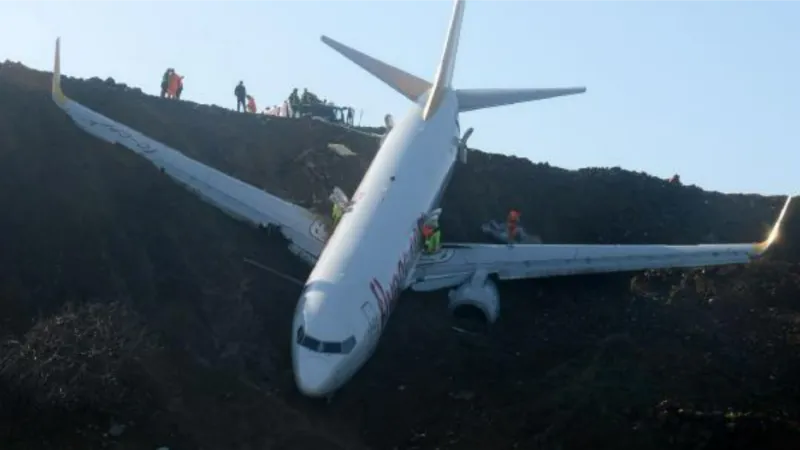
{"x": 175, "y": 81}
{"x": 511, "y": 224}
{"x": 251, "y": 104}
{"x": 180, "y": 88}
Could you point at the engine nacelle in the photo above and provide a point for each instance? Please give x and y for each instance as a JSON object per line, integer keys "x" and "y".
{"x": 478, "y": 292}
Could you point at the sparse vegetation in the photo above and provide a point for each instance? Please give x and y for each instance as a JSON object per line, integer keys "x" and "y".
{"x": 86, "y": 356}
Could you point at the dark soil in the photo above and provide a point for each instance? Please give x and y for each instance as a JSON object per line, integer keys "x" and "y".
{"x": 131, "y": 320}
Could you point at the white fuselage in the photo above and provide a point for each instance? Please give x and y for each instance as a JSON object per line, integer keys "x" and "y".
{"x": 365, "y": 265}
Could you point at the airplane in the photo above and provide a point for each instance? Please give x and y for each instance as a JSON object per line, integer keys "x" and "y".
{"x": 374, "y": 253}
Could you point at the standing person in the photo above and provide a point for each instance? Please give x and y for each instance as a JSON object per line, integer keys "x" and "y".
{"x": 165, "y": 82}
{"x": 294, "y": 101}
{"x": 175, "y": 82}
{"x": 180, "y": 87}
{"x": 511, "y": 224}
{"x": 432, "y": 236}
{"x": 251, "y": 104}
{"x": 241, "y": 93}
{"x": 337, "y": 214}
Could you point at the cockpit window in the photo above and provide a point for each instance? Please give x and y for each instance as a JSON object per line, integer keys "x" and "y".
{"x": 315, "y": 345}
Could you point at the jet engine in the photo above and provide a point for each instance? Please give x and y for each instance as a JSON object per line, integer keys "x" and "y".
{"x": 479, "y": 297}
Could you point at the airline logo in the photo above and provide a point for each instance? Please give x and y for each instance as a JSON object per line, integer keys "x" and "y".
{"x": 387, "y": 298}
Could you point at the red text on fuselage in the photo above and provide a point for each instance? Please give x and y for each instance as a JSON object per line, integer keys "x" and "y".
{"x": 388, "y": 297}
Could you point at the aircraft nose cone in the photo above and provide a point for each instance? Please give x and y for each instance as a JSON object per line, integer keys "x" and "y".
{"x": 313, "y": 375}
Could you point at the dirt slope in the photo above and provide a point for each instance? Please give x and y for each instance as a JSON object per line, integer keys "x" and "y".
{"x": 171, "y": 334}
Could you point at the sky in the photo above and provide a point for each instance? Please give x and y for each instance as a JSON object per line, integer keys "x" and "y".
{"x": 707, "y": 90}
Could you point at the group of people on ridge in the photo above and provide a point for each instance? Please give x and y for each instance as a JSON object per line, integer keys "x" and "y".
{"x": 297, "y": 104}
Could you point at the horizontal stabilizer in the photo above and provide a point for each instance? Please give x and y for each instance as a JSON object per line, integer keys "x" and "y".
{"x": 406, "y": 84}
{"x": 472, "y": 99}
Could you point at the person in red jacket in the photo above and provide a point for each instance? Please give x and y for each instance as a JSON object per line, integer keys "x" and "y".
{"x": 175, "y": 82}
{"x": 180, "y": 88}
{"x": 251, "y": 104}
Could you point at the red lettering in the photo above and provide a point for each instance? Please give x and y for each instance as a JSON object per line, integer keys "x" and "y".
{"x": 383, "y": 299}
{"x": 387, "y": 298}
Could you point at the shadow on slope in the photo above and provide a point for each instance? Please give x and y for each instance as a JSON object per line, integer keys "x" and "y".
{"x": 668, "y": 359}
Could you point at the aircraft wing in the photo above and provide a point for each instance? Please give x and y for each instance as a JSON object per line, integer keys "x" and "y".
{"x": 303, "y": 228}
{"x": 455, "y": 263}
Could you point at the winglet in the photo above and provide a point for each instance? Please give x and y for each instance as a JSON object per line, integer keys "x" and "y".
{"x": 58, "y": 94}
{"x": 762, "y": 246}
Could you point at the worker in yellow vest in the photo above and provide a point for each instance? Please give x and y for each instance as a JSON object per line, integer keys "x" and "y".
{"x": 432, "y": 236}
{"x": 337, "y": 214}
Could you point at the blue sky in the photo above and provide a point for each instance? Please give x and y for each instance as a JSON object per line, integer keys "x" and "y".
{"x": 708, "y": 90}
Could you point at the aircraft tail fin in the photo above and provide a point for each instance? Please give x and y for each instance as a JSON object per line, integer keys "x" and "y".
{"x": 58, "y": 94}
{"x": 413, "y": 87}
{"x": 406, "y": 84}
{"x": 472, "y": 99}
{"x": 444, "y": 74}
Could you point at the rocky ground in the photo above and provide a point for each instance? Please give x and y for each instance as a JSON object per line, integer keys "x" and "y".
{"x": 131, "y": 321}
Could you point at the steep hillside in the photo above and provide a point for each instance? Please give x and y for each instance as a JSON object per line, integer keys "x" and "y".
{"x": 125, "y": 300}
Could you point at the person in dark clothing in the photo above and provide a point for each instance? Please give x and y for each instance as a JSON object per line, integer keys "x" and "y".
{"x": 350, "y": 116}
{"x": 294, "y": 103}
{"x": 241, "y": 93}
{"x": 165, "y": 82}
